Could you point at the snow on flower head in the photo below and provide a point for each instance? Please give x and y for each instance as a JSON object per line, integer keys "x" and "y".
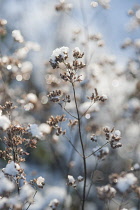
{"x": 80, "y": 178}
{"x": 6, "y": 185}
{"x": 76, "y": 49}
{"x": 63, "y": 51}
{"x": 40, "y": 182}
{"x": 71, "y": 181}
{"x": 58, "y": 56}
{"x": 11, "y": 169}
{"x": 34, "y": 129}
{"x": 4, "y": 122}
{"x": 117, "y": 133}
{"x": 124, "y": 183}
{"x": 77, "y": 53}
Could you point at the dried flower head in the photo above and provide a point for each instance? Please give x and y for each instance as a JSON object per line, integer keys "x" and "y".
{"x": 106, "y": 192}
{"x": 40, "y": 181}
{"x": 71, "y": 181}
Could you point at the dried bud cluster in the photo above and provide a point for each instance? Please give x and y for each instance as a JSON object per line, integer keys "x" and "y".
{"x": 93, "y": 138}
{"x": 73, "y": 123}
{"x": 106, "y": 192}
{"x": 67, "y": 99}
{"x": 77, "y": 53}
{"x": 53, "y": 122}
{"x": 95, "y": 97}
{"x": 60, "y": 55}
{"x": 113, "y": 136}
{"x": 54, "y": 96}
{"x": 8, "y": 106}
{"x": 14, "y": 141}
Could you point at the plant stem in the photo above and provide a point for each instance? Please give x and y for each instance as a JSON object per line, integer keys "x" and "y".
{"x": 82, "y": 146}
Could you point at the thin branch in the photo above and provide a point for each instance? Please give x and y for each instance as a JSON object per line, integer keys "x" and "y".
{"x": 33, "y": 198}
{"x": 91, "y": 179}
{"x": 87, "y": 109}
{"x": 73, "y": 146}
{"x": 82, "y": 146}
{"x": 97, "y": 150}
{"x": 67, "y": 111}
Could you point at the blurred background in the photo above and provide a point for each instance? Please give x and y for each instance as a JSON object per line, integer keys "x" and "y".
{"x": 108, "y": 32}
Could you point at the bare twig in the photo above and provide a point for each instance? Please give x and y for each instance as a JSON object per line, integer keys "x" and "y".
{"x": 82, "y": 146}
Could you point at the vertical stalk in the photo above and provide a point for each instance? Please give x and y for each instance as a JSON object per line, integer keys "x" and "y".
{"x": 82, "y": 146}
